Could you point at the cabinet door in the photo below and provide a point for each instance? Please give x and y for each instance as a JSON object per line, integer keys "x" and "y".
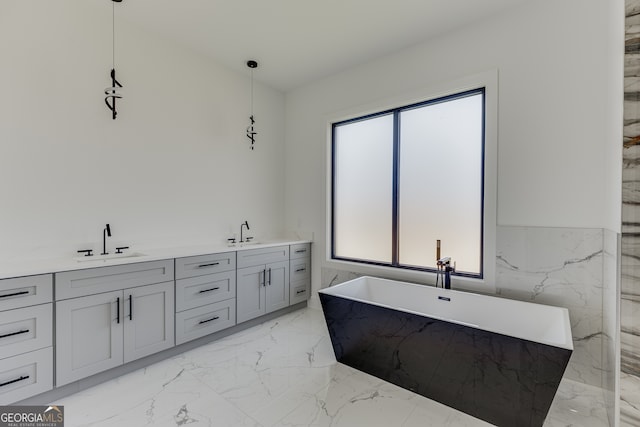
{"x": 277, "y": 289}
{"x": 250, "y": 285}
{"x": 148, "y": 320}
{"x": 88, "y": 336}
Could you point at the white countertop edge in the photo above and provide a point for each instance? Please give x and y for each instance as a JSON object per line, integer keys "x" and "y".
{"x": 56, "y": 265}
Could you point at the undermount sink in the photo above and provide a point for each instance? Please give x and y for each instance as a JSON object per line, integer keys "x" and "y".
{"x": 108, "y": 257}
{"x": 240, "y": 245}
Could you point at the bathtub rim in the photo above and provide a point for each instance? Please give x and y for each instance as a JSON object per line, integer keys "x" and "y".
{"x": 568, "y": 345}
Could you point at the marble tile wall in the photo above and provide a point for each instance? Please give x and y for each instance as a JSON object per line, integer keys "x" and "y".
{"x": 561, "y": 267}
{"x": 630, "y": 254}
{"x": 555, "y": 266}
{"x": 610, "y": 322}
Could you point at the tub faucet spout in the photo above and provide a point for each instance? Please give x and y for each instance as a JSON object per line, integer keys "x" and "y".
{"x": 445, "y": 269}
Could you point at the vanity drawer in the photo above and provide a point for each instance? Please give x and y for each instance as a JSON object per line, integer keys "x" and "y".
{"x": 205, "y": 264}
{"x": 300, "y": 269}
{"x": 252, "y": 257}
{"x": 25, "y": 291}
{"x": 299, "y": 292}
{"x": 26, "y": 375}
{"x": 300, "y": 250}
{"x": 203, "y": 290}
{"x": 25, "y": 329}
{"x": 78, "y": 283}
{"x": 201, "y": 321}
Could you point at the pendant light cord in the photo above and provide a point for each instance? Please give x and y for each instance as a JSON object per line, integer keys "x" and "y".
{"x": 252, "y": 92}
{"x": 113, "y": 35}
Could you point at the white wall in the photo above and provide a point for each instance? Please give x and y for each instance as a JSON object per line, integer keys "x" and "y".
{"x": 174, "y": 168}
{"x": 553, "y": 134}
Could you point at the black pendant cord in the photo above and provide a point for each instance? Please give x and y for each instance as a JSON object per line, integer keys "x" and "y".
{"x": 112, "y": 92}
{"x": 251, "y": 133}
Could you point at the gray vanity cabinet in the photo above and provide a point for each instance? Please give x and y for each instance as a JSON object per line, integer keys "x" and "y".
{"x": 149, "y": 320}
{"x": 101, "y": 331}
{"x": 89, "y": 336}
{"x": 263, "y": 282}
{"x": 26, "y": 337}
{"x": 300, "y": 273}
{"x": 205, "y": 295}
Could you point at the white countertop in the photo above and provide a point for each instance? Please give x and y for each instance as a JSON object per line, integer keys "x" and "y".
{"x": 54, "y": 265}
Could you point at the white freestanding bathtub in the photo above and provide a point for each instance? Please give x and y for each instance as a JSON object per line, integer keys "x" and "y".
{"x": 497, "y": 359}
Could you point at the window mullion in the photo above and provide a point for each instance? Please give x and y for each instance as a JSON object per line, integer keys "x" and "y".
{"x": 395, "y": 256}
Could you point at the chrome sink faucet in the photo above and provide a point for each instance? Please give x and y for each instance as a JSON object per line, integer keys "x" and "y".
{"x": 244, "y": 224}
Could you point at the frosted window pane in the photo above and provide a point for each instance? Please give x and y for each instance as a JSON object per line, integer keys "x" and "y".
{"x": 363, "y": 189}
{"x": 440, "y": 187}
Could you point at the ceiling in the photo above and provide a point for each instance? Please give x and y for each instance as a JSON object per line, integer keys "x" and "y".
{"x": 298, "y": 41}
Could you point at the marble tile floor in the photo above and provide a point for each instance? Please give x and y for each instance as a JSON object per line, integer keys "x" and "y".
{"x": 283, "y": 373}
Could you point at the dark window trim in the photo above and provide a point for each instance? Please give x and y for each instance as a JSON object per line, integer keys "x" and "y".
{"x": 395, "y": 182}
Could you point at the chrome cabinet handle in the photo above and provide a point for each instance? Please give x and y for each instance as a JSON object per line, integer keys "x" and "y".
{"x": 14, "y": 294}
{"x": 301, "y": 292}
{"x": 118, "y": 310}
{"x": 24, "y": 331}
{"x": 208, "y": 320}
{"x": 301, "y": 269}
{"x": 130, "y": 307}
{"x": 264, "y": 277}
{"x": 24, "y": 377}
{"x": 209, "y": 290}
{"x": 208, "y": 265}
{"x": 269, "y": 277}
{"x": 301, "y": 251}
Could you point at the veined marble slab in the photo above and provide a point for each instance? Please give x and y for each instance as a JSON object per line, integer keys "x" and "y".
{"x": 630, "y": 252}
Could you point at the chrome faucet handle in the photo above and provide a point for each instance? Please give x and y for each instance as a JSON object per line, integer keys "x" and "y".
{"x": 119, "y": 250}
{"x": 248, "y": 238}
{"x": 86, "y": 251}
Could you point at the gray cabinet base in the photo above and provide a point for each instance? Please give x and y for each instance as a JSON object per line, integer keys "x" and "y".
{"x": 85, "y": 383}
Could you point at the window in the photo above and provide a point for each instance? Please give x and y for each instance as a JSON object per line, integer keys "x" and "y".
{"x": 406, "y": 177}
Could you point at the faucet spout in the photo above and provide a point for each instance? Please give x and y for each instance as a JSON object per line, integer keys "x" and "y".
{"x": 106, "y": 232}
{"x": 445, "y": 268}
{"x": 244, "y": 224}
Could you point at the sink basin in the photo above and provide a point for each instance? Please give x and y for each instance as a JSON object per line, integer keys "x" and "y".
{"x": 243, "y": 244}
{"x": 108, "y": 257}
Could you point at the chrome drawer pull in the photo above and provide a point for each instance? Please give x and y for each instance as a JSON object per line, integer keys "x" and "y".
{"x": 208, "y": 320}
{"x": 301, "y": 292}
{"x": 15, "y": 333}
{"x": 14, "y": 381}
{"x": 209, "y": 265}
{"x": 14, "y": 294}
{"x": 301, "y": 251}
{"x": 301, "y": 269}
{"x": 209, "y": 290}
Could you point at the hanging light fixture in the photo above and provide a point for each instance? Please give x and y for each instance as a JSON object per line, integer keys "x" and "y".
{"x": 113, "y": 92}
{"x": 251, "y": 133}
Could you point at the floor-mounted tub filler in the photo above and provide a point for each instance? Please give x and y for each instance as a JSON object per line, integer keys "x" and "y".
{"x": 496, "y": 359}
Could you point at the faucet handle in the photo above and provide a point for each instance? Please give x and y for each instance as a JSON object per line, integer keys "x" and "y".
{"x": 86, "y": 251}
{"x": 248, "y": 238}
{"x": 119, "y": 250}
{"x": 231, "y": 240}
